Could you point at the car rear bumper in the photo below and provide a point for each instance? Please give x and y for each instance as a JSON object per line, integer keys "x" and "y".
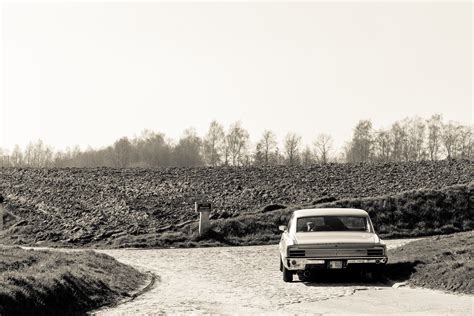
{"x": 304, "y": 263}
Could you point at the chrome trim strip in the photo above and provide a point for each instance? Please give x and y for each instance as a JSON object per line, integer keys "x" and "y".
{"x": 339, "y": 258}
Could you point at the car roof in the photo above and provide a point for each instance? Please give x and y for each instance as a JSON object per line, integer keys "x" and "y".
{"x": 330, "y": 211}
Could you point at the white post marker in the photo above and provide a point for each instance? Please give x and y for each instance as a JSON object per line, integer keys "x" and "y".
{"x": 204, "y": 210}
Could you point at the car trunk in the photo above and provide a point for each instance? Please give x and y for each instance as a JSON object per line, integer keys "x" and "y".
{"x": 330, "y": 239}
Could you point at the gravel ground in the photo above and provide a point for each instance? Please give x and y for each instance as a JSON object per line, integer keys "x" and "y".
{"x": 244, "y": 280}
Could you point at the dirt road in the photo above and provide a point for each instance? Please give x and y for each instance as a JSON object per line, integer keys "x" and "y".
{"x": 245, "y": 280}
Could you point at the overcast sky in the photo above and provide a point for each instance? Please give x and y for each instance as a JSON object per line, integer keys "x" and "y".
{"x": 88, "y": 73}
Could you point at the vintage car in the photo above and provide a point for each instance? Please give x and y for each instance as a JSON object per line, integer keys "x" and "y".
{"x": 330, "y": 238}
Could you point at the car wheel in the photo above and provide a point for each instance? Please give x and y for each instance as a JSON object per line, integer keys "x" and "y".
{"x": 287, "y": 275}
{"x": 301, "y": 277}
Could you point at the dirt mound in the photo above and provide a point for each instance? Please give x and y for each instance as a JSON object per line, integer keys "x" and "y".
{"x": 90, "y": 206}
{"x": 34, "y": 282}
{"x": 440, "y": 262}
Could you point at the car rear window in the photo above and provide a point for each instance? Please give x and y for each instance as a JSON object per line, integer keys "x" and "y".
{"x": 332, "y": 223}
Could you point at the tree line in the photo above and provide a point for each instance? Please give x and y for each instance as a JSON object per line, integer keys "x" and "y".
{"x": 411, "y": 139}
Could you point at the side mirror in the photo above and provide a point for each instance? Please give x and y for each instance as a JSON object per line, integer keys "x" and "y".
{"x": 283, "y": 228}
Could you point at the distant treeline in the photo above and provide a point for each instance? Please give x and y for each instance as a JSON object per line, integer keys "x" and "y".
{"x": 411, "y": 139}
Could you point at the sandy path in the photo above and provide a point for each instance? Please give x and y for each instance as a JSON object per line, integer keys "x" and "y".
{"x": 245, "y": 280}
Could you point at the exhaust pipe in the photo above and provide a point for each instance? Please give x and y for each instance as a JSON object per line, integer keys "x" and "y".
{"x": 306, "y": 273}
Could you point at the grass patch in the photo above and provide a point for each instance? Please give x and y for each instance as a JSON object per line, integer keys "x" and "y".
{"x": 419, "y": 212}
{"x": 36, "y": 282}
{"x": 408, "y": 214}
{"x": 440, "y": 262}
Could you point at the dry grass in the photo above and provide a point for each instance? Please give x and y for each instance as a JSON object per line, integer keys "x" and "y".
{"x": 34, "y": 282}
{"x": 408, "y": 214}
{"x": 419, "y": 212}
{"x": 440, "y": 262}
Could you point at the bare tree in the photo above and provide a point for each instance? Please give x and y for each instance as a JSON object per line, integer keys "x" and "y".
{"x": 122, "y": 152}
{"x": 278, "y": 158}
{"x": 435, "y": 128}
{"x": 307, "y": 156}
{"x": 450, "y": 138}
{"x": 4, "y": 158}
{"x": 47, "y": 156}
{"x": 258, "y": 157}
{"x": 29, "y": 155}
{"x": 236, "y": 144}
{"x": 292, "y": 143}
{"x": 154, "y": 150}
{"x": 465, "y": 144}
{"x": 16, "y": 157}
{"x": 322, "y": 147}
{"x": 416, "y": 136}
{"x": 226, "y": 151}
{"x": 76, "y": 154}
{"x": 38, "y": 154}
{"x": 214, "y": 143}
{"x": 267, "y": 145}
{"x": 382, "y": 145}
{"x": 188, "y": 151}
{"x": 360, "y": 149}
{"x": 398, "y": 137}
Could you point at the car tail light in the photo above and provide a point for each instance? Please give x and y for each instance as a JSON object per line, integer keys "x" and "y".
{"x": 375, "y": 252}
{"x": 296, "y": 253}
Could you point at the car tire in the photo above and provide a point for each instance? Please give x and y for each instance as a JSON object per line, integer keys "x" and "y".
{"x": 301, "y": 277}
{"x": 281, "y": 265}
{"x": 287, "y": 275}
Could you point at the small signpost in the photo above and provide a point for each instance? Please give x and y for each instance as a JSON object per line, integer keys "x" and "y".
{"x": 204, "y": 209}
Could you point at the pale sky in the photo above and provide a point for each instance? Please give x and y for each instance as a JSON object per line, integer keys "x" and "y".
{"x": 90, "y": 73}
